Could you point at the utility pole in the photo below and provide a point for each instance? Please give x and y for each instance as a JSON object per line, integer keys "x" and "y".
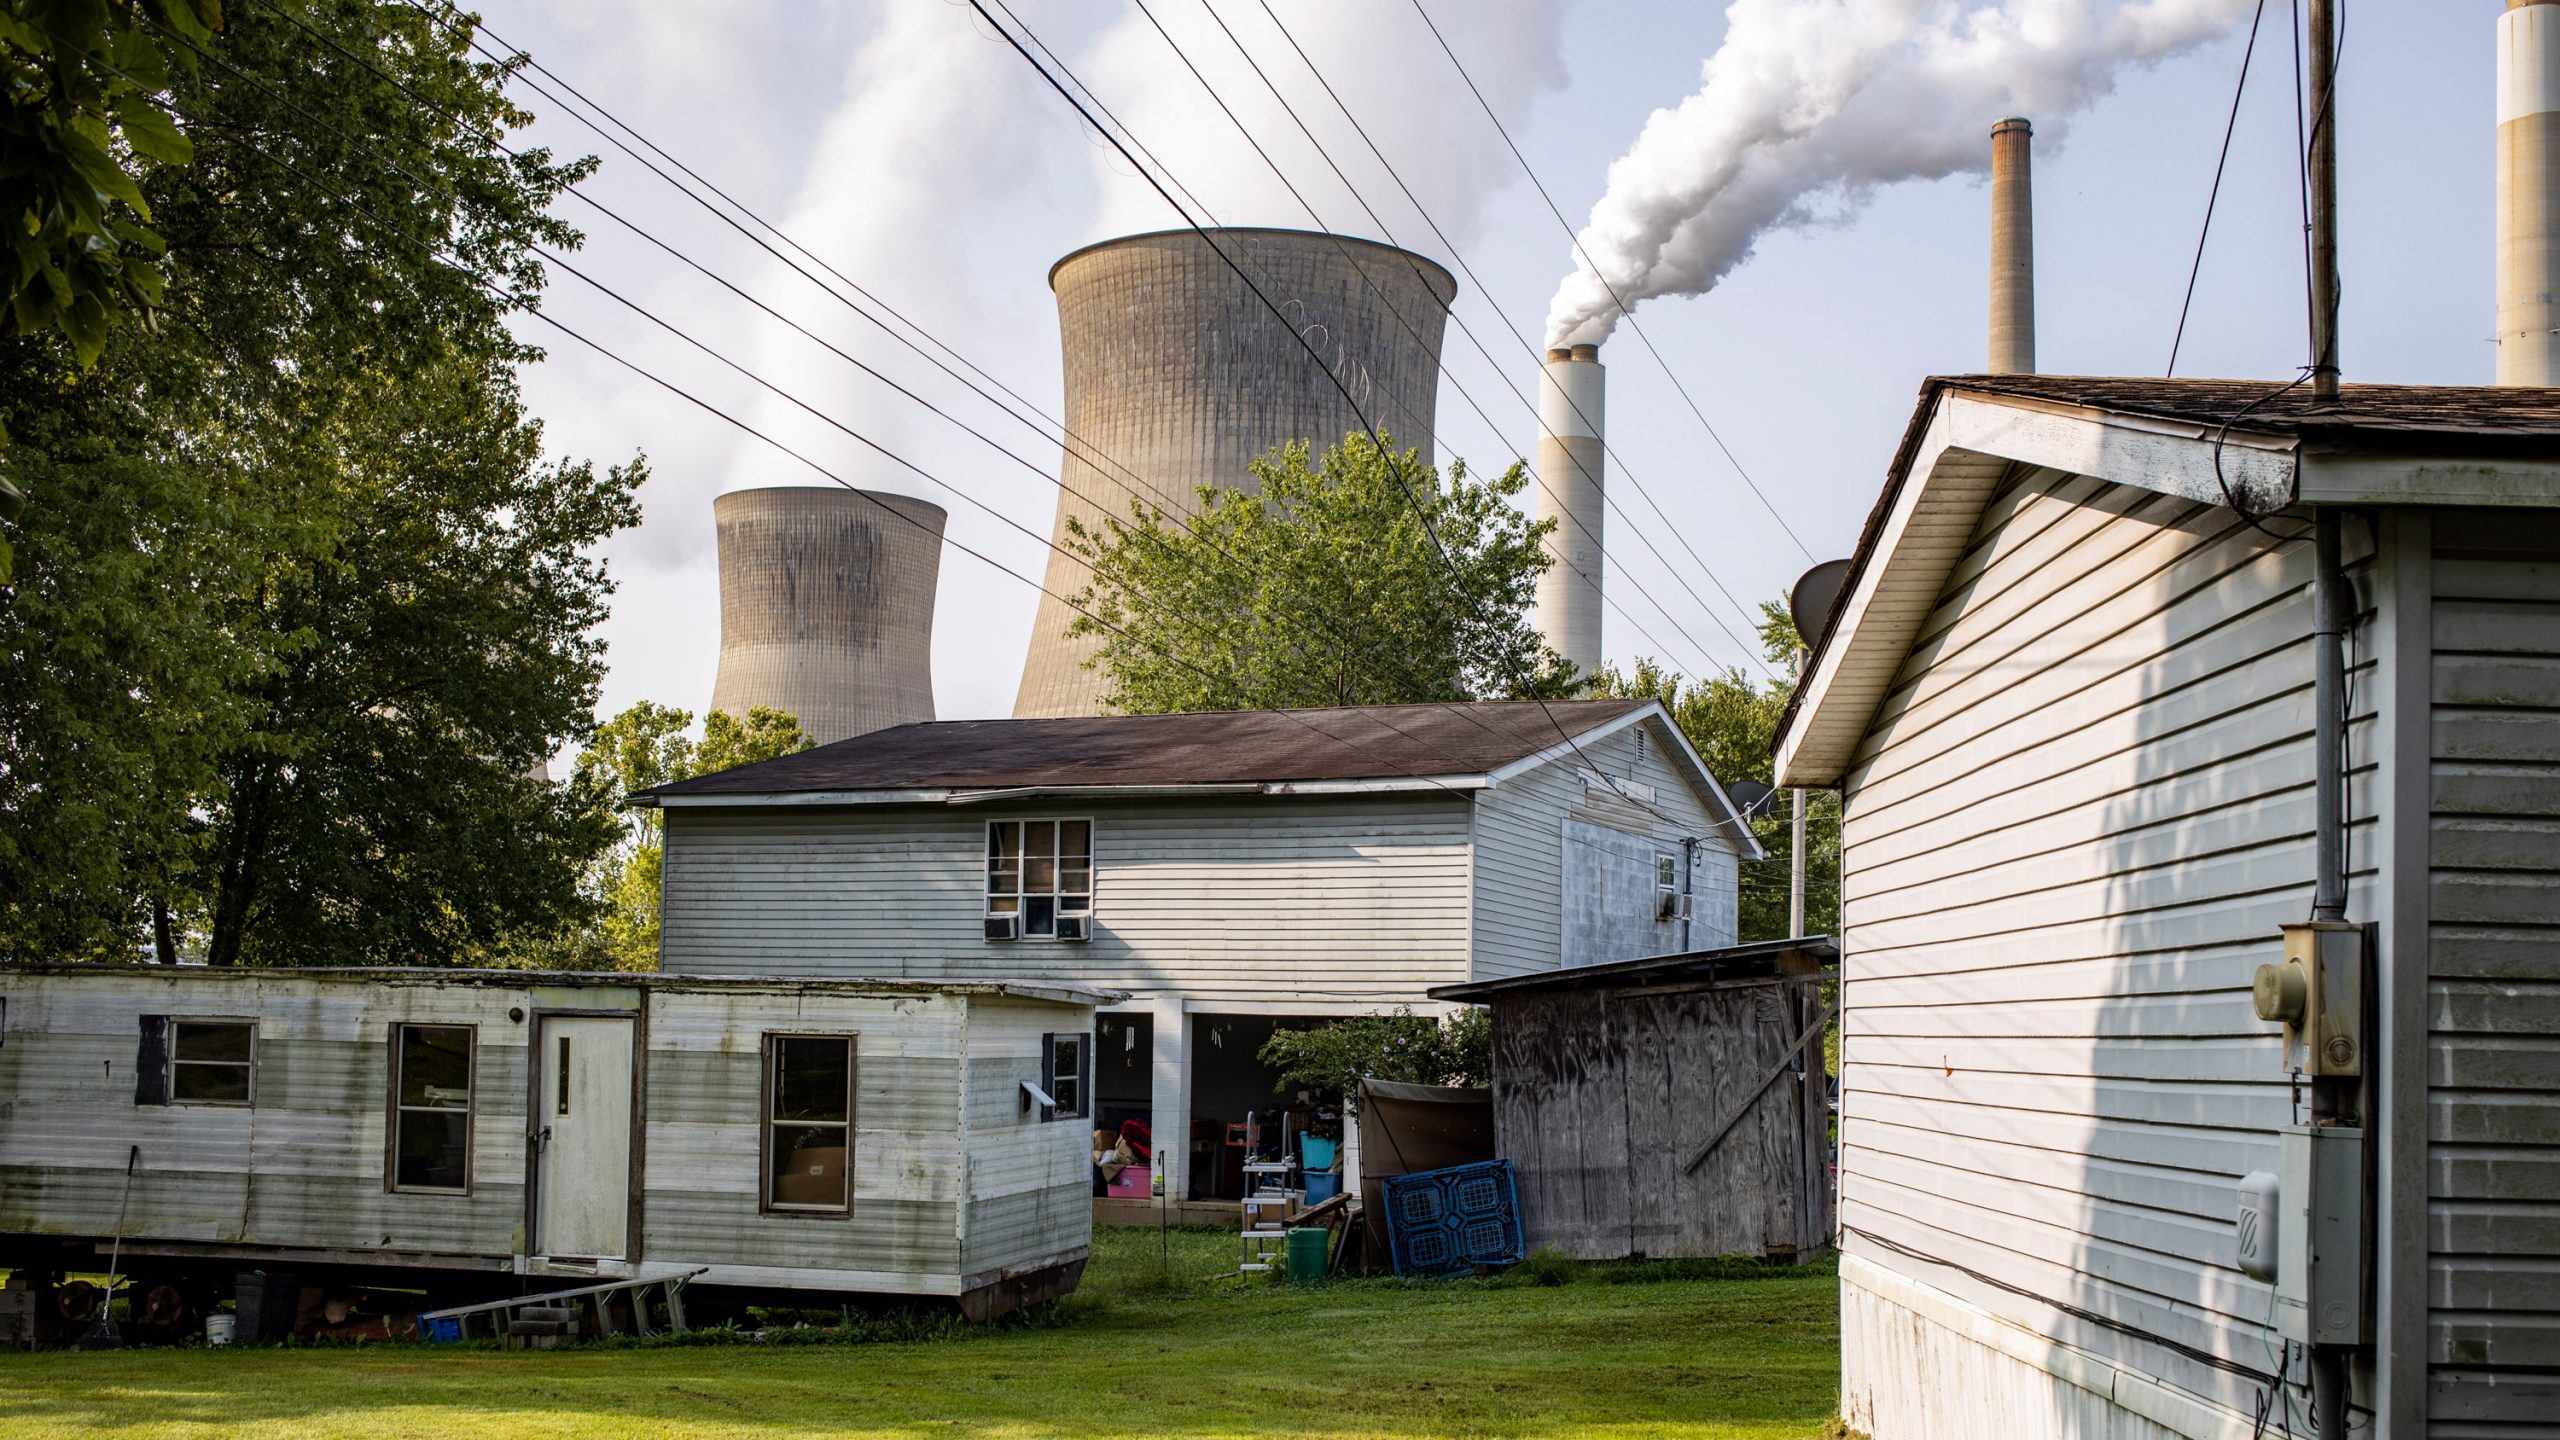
{"x": 2323, "y": 162}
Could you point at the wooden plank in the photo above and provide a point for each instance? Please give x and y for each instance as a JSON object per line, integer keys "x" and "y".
{"x": 1742, "y": 1104}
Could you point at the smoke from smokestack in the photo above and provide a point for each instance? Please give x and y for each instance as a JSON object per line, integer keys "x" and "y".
{"x": 1809, "y": 105}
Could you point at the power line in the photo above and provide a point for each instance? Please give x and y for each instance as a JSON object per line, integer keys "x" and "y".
{"x": 2215, "y": 195}
{"x": 1597, "y": 274}
{"x": 1368, "y": 654}
{"x": 1448, "y": 311}
{"x": 1422, "y": 515}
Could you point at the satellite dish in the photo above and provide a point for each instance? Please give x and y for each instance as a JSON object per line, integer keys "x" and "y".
{"x": 1754, "y": 797}
{"x": 1816, "y": 596}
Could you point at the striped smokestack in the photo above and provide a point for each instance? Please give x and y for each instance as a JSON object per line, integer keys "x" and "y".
{"x": 2013, "y": 249}
{"x": 1570, "y": 471}
{"x": 2528, "y": 185}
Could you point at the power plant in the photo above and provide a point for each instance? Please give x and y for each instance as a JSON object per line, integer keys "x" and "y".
{"x": 1178, "y": 375}
{"x": 1572, "y": 454}
{"x": 2528, "y": 185}
{"x": 826, "y": 606}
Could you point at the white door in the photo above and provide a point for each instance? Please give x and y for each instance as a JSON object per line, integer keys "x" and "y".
{"x": 582, "y": 1137}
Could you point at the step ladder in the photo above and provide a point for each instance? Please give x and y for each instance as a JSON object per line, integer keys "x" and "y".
{"x": 1266, "y": 1203}
{"x": 555, "y": 1315}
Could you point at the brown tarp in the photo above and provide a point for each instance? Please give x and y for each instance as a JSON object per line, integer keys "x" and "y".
{"x": 1409, "y": 1128}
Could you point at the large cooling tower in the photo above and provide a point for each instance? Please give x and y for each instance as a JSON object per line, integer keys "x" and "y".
{"x": 1177, "y": 376}
{"x": 2529, "y": 193}
{"x": 826, "y": 606}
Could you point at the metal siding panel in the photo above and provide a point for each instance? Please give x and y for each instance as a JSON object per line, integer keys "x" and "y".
{"x": 2493, "y": 1003}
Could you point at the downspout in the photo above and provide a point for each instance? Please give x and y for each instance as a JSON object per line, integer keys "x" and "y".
{"x": 2332, "y": 612}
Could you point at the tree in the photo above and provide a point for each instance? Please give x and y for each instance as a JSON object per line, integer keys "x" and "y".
{"x": 1321, "y": 587}
{"x": 1733, "y": 723}
{"x": 298, "y": 600}
{"x": 1415, "y": 1049}
{"x": 639, "y": 749}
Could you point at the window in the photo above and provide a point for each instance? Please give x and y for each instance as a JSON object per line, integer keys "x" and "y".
{"x": 431, "y": 1108}
{"x": 210, "y": 1061}
{"x": 1666, "y": 872}
{"x": 1038, "y": 870}
{"x": 808, "y": 1121}
{"x": 1066, "y": 1073}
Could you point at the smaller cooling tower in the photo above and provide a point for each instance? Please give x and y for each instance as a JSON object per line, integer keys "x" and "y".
{"x": 826, "y": 606}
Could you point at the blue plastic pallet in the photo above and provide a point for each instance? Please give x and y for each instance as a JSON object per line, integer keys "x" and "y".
{"x": 1446, "y": 1222}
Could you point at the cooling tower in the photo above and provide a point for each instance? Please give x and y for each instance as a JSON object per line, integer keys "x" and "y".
{"x": 1571, "y": 457}
{"x": 2013, "y": 249}
{"x": 2529, "y": 193}
{"x": 826, "y": 606}
{"x": 1177, "y": 376}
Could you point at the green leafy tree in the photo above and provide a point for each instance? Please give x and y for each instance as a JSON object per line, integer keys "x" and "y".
{"x": 1322, "y": 586}
{"x": 1416, "y": 1049}
{"x": 298, "y": 599}
{"x": 1733, "y": 722}
{"x": 643, "y": 747}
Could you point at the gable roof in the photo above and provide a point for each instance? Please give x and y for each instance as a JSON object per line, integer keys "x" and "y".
{"x": 2216, "y": 441}
{"x": 1457, "y": 747}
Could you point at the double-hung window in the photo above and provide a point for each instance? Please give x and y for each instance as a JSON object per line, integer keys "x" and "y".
{"x": 431, "y": 1077}
{"x": 808, "y": 1124}
{"x": 1066, "y": 1073}
{"x": 212, "y": 1062}
{"x": 1039, "y": 871}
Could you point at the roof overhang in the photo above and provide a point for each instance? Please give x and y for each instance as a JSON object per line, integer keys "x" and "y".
{"x": 1802, "y": 958}
{"x": 1383, "y": 784}
{"x": 1960, "y": 447}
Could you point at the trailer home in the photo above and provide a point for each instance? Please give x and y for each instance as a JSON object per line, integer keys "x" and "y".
{"x": 462, "y": 1128}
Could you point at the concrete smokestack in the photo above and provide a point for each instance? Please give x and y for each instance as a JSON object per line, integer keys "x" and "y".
{"x": 826, "y": 606}
{"x": 2529, "y": 193}
{"x": 1178, "y": 376}
{"x": 1572, "y": 404}
{"x": 2013, "y": 248}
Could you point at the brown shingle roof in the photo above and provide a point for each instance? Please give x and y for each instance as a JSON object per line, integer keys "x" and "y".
{"x": 1236, "y": 748}
{"x": 2384, "y": 416}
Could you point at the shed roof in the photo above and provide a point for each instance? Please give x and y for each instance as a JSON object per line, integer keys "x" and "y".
{"x": 1241, "y": 747}
{"x": 2261, "y": 442}
{"x": 1730, "y": 962}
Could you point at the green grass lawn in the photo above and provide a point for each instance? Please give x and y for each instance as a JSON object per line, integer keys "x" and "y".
{"x": 1146, "y": 1348}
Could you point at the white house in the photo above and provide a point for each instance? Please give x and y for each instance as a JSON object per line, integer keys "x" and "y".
{"x": 2069, "y": 698}
{"x": 1232, "y": 872}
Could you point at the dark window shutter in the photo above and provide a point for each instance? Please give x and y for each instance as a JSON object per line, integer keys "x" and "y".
{"x": 151, "y": 1062}
{"x": 1049, "y": 1074}
{"x": 1084, "y": 1075}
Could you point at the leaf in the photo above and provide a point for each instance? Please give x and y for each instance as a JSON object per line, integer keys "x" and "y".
{"x": 151, "y": 133}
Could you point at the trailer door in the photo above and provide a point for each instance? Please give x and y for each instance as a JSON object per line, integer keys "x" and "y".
{"x": 582, "y": 1138}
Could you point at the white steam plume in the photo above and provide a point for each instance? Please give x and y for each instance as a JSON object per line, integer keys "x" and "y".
{"x": 1809, "y": 105}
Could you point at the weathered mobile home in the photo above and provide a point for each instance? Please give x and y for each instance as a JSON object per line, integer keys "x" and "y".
{"x": 1232, "y": 872}
{"x": 890, "y": 1137}
{"x": 1670, "y": 1107}
{"x": 2074, "y": 702}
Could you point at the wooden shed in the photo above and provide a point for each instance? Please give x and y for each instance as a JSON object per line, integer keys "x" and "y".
{"x": 886, "y": 1137}
{"x": 1668, "y": 1107}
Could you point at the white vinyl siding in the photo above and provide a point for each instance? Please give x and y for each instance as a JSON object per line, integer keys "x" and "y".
{"x": 2070, "y": 834}
{"x": 2493, "y": 992}
{"x": 1521, "y": 860}
{"x": 1360, "y": 898}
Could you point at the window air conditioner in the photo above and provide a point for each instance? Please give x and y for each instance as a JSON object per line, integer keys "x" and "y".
{"x": 1074, "y": 927}
{"x": 1004, "y": 927}
{"x": 1670, "y": 905}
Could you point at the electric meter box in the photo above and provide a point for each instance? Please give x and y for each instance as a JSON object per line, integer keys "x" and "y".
{"x": 2319, "y": 1234}
{"x": 2318, "y": 992}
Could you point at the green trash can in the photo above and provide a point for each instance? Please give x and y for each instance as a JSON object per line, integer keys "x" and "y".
{"x": 1307, "y": 1252}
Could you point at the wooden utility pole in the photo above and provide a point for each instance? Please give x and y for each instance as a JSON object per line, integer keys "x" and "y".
{"x": 2324, "y": 199}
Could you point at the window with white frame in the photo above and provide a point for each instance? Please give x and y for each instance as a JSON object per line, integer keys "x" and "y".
{"x": 1038, "y": 871}
{"x": 1066, "y": 1073}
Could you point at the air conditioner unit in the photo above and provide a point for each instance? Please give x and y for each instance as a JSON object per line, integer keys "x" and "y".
{"x": 1004, "y": 927}
{"x": 1670, "y": 905}
{"x": 1075, "y": 927}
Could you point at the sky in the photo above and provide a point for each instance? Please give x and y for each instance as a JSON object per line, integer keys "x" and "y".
{"x": 919, "y": 156}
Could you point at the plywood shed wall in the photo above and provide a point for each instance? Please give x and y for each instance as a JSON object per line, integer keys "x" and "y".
{"x": 1603, "y": 1093}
